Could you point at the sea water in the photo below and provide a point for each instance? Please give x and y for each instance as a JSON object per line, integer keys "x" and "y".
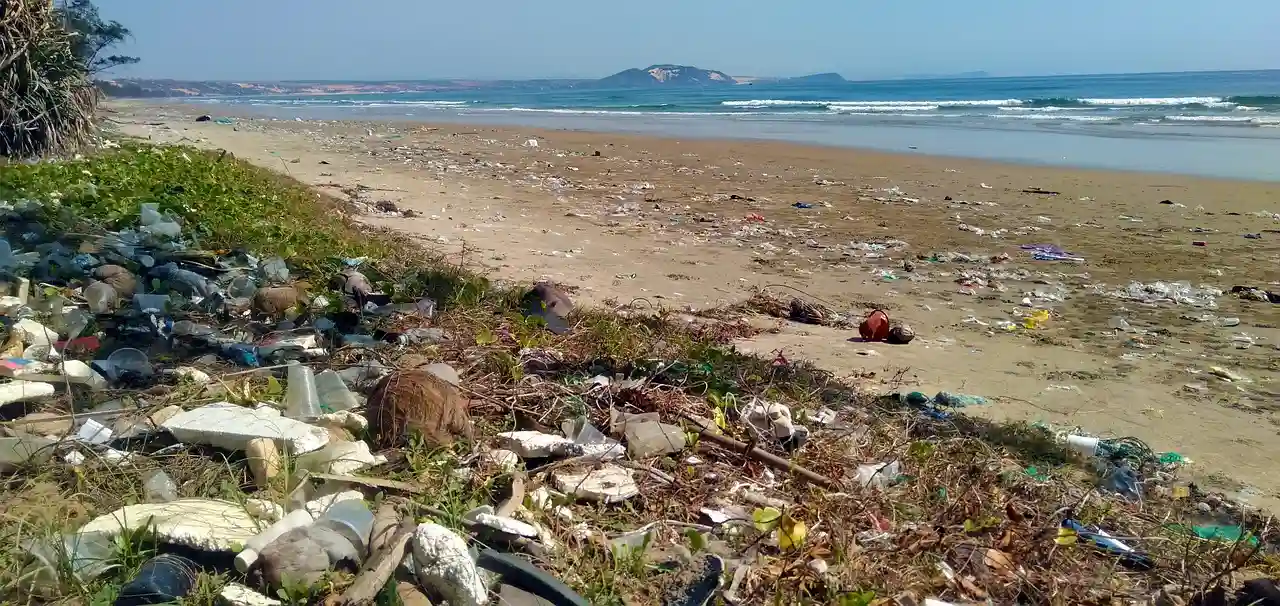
{"x": 1224, "y": 124}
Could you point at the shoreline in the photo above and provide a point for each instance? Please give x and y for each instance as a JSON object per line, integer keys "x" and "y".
{"x": 1193, "y": 149}
{"x": 934, "y": 241}
{"x": 187, "y": 108}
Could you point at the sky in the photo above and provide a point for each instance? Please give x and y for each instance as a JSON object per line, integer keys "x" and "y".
{"x": 500, "y": 39}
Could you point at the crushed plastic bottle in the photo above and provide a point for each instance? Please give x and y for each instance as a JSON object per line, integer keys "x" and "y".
{"x": 184, "y": 281}
{"x": 164, "y": 579}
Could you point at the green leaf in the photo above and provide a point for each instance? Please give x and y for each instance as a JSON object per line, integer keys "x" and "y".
{"x": 274, "y": 389}
{"x": 766, "y": 518}
{"x": 858, "y": 598}
{"x": 697, "y": 541}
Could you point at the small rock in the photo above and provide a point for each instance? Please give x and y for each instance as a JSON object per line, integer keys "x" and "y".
{"x": 645, "y": 440}
{"x": 537, "y": 445}
{"x": 819, "y": 566}
{"x": 900, "y": 334}
{"x": 608, "y": 484}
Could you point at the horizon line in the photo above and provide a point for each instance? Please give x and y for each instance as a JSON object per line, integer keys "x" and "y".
{"x": 956, "y": 76}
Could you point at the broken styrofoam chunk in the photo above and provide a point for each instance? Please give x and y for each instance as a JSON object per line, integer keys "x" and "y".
{"x": 535, "y": 444}
{"x": 231, "y": 427}
{"x": 505, "y": 460}
{"x": 321, "y": 505}
{"x": 442, "y": 563}
{"x": 608, "y": 484}
{"x": 484, "y": 516}
{"x": 18, "y": 451}
{"x": 190, "y": 374}
{"x": 94, "y": 432}
{"x": 235, "y": 594}
{"x": 341, "y": 458}
{"x": 20, "y": 391}
{"x": 345, "y": 419}
{"x": 201, "y": 524}
{"x": 34, "y": 333}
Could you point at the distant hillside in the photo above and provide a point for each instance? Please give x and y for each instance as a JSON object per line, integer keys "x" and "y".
{"x": 824, "y": 78}
{"x": 667, "y": 75}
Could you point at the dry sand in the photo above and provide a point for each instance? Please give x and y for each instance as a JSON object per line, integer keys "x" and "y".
{"x": 626, "y": 217}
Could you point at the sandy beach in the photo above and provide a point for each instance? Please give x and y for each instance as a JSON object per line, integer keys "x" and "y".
{"x": 936, "y": 242}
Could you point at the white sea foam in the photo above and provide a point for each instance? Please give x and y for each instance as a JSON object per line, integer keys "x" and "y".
{"x": 1051, "y": 108}
{"x": 1260, "y": 121}
{"x": 932, "y": 104}
{"x": 857, "y": 109}
{"x": 1153, "y": 101}
{"x": 1055, "y": 117}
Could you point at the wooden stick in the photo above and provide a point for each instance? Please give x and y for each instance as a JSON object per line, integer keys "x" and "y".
{"x": 381, "y": 566}
{"x": 709, "y": 432}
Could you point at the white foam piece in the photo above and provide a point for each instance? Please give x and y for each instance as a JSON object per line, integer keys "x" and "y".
{"x": 225, "y": 425}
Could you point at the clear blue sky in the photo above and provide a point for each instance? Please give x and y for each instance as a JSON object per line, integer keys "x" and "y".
{"x": 409, "y": 39}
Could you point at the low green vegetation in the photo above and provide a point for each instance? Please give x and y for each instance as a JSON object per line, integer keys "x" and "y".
{"x": 964, "y": 484}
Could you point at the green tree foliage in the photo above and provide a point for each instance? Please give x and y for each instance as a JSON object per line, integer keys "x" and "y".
{"x": 93, "y": 35}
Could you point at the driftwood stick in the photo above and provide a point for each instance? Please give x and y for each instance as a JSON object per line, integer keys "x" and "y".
{"x": 373, "y": 577}
{"x": 770, "y": 459}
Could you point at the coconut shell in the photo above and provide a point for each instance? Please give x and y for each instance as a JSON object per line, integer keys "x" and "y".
{"x": 118, "y": 278}
{"x": 275, "y": 300}
{"x": 901, "y": 334}
{"x": 417, "y": 401}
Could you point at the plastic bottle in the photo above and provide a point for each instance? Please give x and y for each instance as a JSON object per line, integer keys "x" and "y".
{"x": 184, "y": 281}
{"x": 163, "y": 579}
{"x": 333, "y": 392}
{"x": 351, "y": 519}
{"x": 101, "y": 297}
{"x": 300, "y": 399}
{"x": 249, "y": 555}
{"x": 158, "y": 487}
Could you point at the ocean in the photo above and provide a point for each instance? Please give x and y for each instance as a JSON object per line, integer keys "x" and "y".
{"x": 1221, "y": 124}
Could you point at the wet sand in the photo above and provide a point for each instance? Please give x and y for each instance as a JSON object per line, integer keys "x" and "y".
{"x": 691, "y": 224}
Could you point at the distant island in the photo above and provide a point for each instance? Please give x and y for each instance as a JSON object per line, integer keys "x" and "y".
{"x": 661, "y": 75}
{"x": 666, "y": 75}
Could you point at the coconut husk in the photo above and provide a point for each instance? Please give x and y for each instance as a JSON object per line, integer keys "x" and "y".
{"x": 118, "y": 278}
{"x": 275, "y": 300}
{"x": 417, "y": 401}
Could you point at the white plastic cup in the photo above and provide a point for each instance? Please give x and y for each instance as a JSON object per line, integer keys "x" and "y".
{"x": 1085, "y": 445}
